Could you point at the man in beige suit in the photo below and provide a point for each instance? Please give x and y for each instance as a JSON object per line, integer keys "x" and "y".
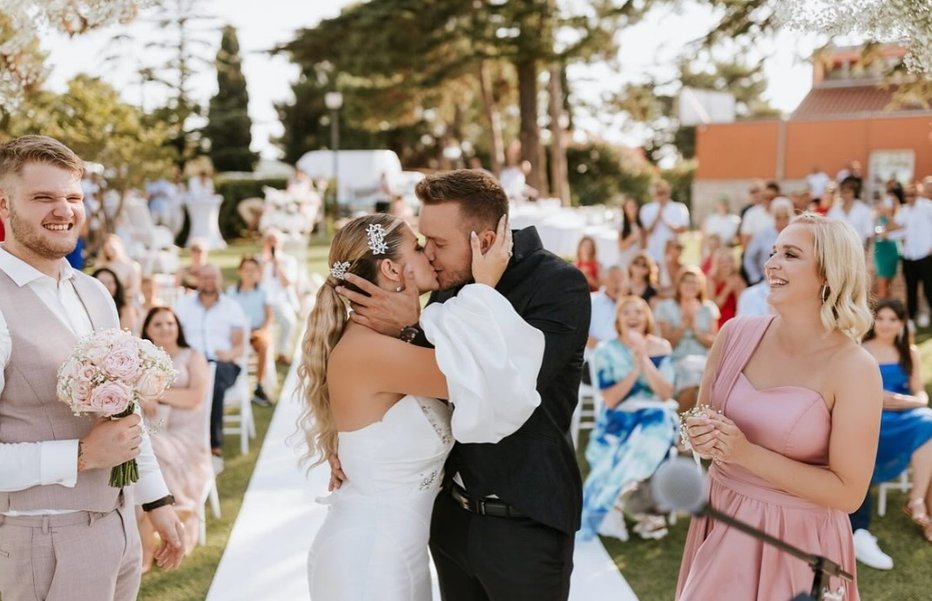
{"x": 65, "y": 534}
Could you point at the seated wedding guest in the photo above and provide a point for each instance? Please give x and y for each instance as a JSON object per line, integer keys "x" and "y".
{"x": 213, "y": 325}
{"x": 689, "y": 321}
{"x": 254, "y": 302}
{"x": 710, "y": 245}
{"x": 113, "y": 256}
{"x": 587, "y": 263}
{"x": 126, "y": 311}
{"x": 753, "y": 300}
{"x": 642, "y": 276}
{"x": 905, "y": 428}
{"x": 632, "y": 237}
{"x": 725, "y": 284}
{"x": 150, "y": 296}
{"x": 279, "y": 277}
{"x": 187, "y": 276}
{"x": 670, "y": 267}
{"x": 635, "y": 430}
{"x": 760, "y": 247}
{"x": 604, "y": 306}
{"x": 178, "y": 420}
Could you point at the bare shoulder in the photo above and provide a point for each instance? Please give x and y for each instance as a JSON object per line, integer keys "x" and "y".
{"x": 852, "y": 366}
{"x": 659, "y": 345}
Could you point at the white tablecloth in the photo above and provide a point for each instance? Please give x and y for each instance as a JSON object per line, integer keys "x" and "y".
{"x": 204, "y": 212}
{"x": 561, "y": 228}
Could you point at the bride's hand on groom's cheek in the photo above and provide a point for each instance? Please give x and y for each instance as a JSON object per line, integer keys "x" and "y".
{"x": 488, "y": 266}
{"x": 385, "y": 311}
{"x": 337, "y": 477}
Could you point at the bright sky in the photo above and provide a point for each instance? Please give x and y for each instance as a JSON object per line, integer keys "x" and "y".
{"x": 645, "y": 48}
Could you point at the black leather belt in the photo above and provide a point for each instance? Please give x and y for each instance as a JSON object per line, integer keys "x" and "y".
{"x": 490, "y": 507}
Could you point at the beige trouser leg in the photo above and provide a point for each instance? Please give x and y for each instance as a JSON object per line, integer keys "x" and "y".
{"x": 70, "y": 557}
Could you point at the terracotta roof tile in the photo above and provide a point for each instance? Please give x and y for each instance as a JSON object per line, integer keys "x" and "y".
{"x": 834, "y": 101}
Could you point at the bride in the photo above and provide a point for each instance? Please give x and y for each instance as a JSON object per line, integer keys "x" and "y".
{"x": 374, "y": 399}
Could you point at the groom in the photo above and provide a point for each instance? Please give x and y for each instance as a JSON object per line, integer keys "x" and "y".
{"x": 65, "y": 534}
{"x": 503, "y": 527}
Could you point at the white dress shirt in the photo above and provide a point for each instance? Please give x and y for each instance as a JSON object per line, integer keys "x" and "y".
{"x": 753, "y": 300}
{"x": 859, "y": 216}
{"x": 27, "y": 464}
{"x": 210, "y": 330}
{"x": 275, "y": 292}
{"x": 916, "y": 232}
{"x": 602, "y": 324}
{"x": 756, "y": 219}
{"x": 724, "y": 226}
{"x": 674, "y": 213}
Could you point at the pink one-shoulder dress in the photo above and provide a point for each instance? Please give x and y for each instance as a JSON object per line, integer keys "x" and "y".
{"x": 722, "y": 563}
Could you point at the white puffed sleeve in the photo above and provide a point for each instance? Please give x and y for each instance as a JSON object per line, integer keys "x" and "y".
{"x": 490, "y": 357}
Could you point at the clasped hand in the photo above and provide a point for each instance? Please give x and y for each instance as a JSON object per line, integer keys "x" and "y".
{"x": 717, "y": 438}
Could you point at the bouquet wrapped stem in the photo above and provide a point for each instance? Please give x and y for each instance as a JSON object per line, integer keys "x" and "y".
{"x": 128, "y": 472}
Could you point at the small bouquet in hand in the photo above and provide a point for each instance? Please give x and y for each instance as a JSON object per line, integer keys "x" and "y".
{"x": 697, "y": 411}
{"x": 108, "y": 373}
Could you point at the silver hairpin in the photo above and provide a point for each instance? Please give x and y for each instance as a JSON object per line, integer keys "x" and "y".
{"x": 376, "y": 235}
{"x": 339, "y": 269}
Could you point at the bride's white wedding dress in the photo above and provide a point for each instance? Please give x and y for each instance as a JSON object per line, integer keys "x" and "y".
{"x": 373, "y": 544}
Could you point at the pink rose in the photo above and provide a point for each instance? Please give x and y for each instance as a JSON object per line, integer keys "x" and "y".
{"x": 110, "y": 398}
{"x": 97, "y": 354}
{"x": 123, "y": 364}
{"x": 152, "y": 384}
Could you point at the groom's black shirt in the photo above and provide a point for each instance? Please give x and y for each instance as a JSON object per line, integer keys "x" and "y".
{"x": 534, "y": 470}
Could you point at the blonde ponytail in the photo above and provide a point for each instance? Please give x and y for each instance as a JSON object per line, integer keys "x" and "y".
{"x": 327, "y": 321}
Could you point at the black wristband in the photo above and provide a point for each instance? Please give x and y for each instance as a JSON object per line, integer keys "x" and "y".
{"x": 166, "y": 500}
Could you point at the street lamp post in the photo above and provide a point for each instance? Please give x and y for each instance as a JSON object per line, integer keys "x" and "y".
{"x": 334, "y": 101}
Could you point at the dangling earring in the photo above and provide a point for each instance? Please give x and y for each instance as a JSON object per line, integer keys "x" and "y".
{"x": 823, "y": 294}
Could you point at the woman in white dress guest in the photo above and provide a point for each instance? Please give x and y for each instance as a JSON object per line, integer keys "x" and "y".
{"x": 374, "y": 399}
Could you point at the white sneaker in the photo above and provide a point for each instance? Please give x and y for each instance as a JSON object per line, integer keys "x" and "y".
{"x": 922, "y": 320}
{"x": 868, "y": 553}
{"x": 218, "y": 464}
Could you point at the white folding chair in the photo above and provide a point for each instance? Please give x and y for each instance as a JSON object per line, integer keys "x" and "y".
{"x": 240, "y": 423}
{"x": 210, "y": 488}
{"x": 901, "y": 483}
{"x": 589, "y": 404}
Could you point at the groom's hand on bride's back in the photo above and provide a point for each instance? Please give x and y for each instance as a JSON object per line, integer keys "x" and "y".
{"x": 337, "y": 477}
{"x": 384, "y": 311}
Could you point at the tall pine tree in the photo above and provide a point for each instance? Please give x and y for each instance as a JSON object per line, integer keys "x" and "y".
{"x": 228, "y": 120}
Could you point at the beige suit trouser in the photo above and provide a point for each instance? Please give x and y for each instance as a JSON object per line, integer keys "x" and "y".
{"x": 82, "y": 556}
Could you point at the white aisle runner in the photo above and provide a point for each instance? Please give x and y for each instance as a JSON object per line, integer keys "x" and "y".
{"x": 266, "y": 555}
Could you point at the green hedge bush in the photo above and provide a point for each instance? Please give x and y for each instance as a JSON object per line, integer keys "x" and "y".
{"x": 235, "y": 190}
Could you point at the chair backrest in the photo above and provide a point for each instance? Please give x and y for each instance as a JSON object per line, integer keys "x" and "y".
{"x": 598, "y": 401}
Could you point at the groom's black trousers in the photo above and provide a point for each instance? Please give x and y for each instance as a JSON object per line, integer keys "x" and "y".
{"x": 485, "y": 558}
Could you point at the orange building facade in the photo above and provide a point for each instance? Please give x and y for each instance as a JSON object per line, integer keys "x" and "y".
{"x": 842, "y": 119}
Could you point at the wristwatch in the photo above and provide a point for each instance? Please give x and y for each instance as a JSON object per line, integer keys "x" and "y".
{"x": 166, "y": 500}
{"x": 409, "y": 333}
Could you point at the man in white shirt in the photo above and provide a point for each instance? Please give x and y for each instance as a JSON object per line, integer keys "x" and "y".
{"x": 753, "y": 300}
{"x": 816, "y": 182}
{"x": 758, "y": 218}
{"x": 913, "y": 225}
{"x": 602, "y": 324}
{"x": 663, "y": 219}
{"x": 215, "y": 325}
{"x": 852, "y": 211}
{"x": 66, "y": 533}
{"x": 761, "y": 245}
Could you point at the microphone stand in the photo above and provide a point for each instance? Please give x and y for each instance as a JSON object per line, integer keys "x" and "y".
{"x": 821, "y": 566}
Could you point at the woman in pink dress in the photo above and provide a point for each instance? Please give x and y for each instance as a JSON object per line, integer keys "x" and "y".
{"x": 793, "y": 423}
{"x": 179, "y": 438}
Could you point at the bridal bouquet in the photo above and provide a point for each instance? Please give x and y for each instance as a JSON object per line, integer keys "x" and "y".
{"x": 107, "y": 374}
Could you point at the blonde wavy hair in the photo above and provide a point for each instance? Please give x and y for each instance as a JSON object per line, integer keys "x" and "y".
{"x": 840, "y": 258}
{"x": 326, "y": 323}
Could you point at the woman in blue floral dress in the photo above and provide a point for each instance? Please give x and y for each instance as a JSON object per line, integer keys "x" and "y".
{"x": 637, "y": 426}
